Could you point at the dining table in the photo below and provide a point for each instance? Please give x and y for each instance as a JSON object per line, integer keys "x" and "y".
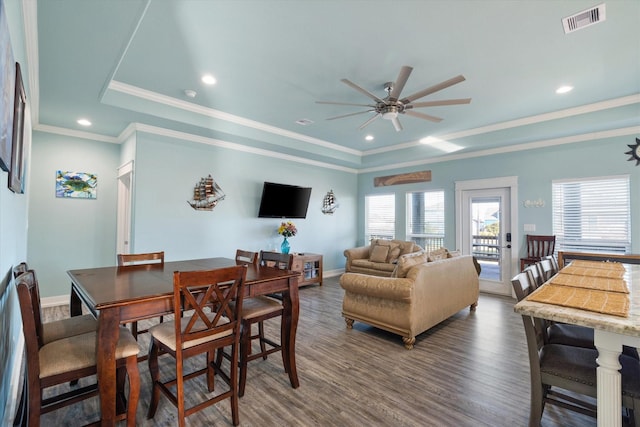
{"x": 611, "y": 332}
{"x": 117, "y": 295}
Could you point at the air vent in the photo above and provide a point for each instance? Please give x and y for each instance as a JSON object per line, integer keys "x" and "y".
{"x": 584, "y": 19}
{"x": 304, "y": 122}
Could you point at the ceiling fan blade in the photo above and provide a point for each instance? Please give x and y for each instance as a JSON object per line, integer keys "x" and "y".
{"x": 396, "y": 124}
{"x": 345, "y": 103}
{"x": 433, "y": 89}
{"x": 438, "y": 103}
{"x": 349, "y": 115}
{"x": 403, "y": 76}
{"x": 361, "y": 90}
{"x": 368, "y": 122}
{"x": 423, "y": 116}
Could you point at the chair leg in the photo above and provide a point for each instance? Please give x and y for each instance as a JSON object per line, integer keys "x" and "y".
{"x": 233, "y": 379}
{"x": 155, "y": 377}
{"x": 134, "y": 330}
{"x": 263, "y": 347}
{"x": 180, "y": 392}
{"x": 134, "y": 390}
{"x": 210, "y": 371}
{"x": 245, "y": 345}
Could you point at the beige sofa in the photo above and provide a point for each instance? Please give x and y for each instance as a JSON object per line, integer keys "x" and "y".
{"x": 430, "y": 293}
{"x": 379, "y": 258}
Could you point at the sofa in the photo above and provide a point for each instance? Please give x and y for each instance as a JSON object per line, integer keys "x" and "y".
{"x": 378, "y": 258}
{"x": 421, "y": 295}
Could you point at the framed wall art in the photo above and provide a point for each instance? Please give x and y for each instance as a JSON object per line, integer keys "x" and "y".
{"x": 76, "y": 185}
{"x": 17, "y": 146}
{"x": 7, "y": 90}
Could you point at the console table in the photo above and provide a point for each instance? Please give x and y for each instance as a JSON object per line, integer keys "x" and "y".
{"x": 310, "y": 268}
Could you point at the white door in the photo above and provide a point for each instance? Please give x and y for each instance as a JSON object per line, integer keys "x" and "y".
{"x": 484, "y": 230}
{"x": 125, "y": 178}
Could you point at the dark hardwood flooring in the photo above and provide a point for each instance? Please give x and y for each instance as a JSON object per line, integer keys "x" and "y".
{"x": 471, "y": 370}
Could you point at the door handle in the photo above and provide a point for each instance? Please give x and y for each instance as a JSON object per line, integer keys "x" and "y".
{"x": 507, "y": 247}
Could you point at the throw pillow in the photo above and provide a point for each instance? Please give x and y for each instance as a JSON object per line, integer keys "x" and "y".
{"x": 406, "y": 248}
{"x": 394, "y": 253}
{"x": 438, "y": 254}
{"x": 405, "y": 262}
{"x": 379, "y": 253}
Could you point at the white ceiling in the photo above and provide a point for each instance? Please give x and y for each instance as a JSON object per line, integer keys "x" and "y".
{"x": 127, "y": 63}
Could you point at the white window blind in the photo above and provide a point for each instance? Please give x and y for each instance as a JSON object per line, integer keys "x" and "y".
{"x": 592, "y": 215}
{"x": 380, "y": 217}
{"x": 425, "y": 218}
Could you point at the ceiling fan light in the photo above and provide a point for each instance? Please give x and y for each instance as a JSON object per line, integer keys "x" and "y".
{"x": 390, "y": 115}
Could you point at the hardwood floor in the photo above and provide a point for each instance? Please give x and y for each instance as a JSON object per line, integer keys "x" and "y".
{"x": 471, "y": 370}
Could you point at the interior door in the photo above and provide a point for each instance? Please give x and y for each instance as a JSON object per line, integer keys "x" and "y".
{"x": 123, "y": 239}
{"x": 484, "y": 230}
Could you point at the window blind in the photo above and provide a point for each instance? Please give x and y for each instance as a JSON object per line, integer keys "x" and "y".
{"x": 380, "y": 217}
{"x": 425, "y": 218}
{"x": 592, "y": 215}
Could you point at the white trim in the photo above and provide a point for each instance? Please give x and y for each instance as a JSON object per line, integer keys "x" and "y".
{"x": 591, "y": 178}
{"x": 54, "y": 301}
{"x": 332, "y": 273}
{"x": 512, "y": 148}
{"x": 75, "y": 133}
{"x": 16, "y": 368}
{"x": 217, "y": 114}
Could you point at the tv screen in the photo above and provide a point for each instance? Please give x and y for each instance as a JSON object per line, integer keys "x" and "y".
{"x": 284, "y": 201}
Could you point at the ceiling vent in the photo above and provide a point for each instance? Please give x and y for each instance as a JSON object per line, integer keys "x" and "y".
{"x": 584, "y": 19}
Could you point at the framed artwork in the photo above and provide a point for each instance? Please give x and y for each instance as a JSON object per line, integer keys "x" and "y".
{"x": 76, "y": 185}
{"x": 17, "y": 146}
{"x": 7, "y": 90}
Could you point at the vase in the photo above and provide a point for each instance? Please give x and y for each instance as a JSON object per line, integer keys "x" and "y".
{"x": 284, "y": 247}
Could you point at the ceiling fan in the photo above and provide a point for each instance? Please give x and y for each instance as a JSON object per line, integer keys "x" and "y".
{"x": 389, "y": 107}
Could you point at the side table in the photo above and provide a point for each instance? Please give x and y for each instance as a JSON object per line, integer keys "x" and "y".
{"x": 310, "y": 268}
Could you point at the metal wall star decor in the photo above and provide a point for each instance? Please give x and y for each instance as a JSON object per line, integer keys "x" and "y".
{"x": 634, "y": 152}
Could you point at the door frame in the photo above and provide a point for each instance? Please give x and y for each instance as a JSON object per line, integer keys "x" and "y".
{"x": 124, "y": 208}
{"x": 511, "y": 184}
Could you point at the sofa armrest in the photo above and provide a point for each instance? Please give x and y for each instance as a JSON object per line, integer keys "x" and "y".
{"x": 390, "y": 288}
{"x": 361, "y": 252}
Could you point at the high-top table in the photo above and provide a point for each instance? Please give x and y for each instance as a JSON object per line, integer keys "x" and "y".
{"x": 117, "y": 295}
{"x": 610, "y": 334}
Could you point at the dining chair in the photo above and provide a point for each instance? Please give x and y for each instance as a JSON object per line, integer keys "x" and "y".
{"x": 537, "y": 275}
{"x": 537, "y": 248}
{"x": 148, "y": 259}
{"x": 246, "y": 257}
{"x": 210, "y": 322}
{"x": 58, "y": 329}
{"x": 569, "y": 368}
{"x": 69, "y": 359}
{"x": 554, "y": 264}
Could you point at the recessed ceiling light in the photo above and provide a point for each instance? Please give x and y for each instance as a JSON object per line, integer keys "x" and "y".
{"x": 564, "y": 89}
{"x": 209, "y": 79}
{"x": 84, "y": 122}
{"x": 369, "y": 137}
{"x": 190, "y": 93}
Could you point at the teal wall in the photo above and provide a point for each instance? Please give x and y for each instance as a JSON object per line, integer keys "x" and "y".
{"x": 70, "y": 233}
{"x": 13, "y": 245}
{"x": 535, "y": 169}
{"x": 166, "y": 171}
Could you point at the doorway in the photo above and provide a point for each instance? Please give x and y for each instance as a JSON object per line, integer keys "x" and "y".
{"x": 484, "y": 214}
{"x": 123, "y": 220}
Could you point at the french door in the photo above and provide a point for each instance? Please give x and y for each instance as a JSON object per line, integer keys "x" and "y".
{"x": 484, "y": 214}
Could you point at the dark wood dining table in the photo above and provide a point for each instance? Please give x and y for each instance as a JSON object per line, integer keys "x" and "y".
{"x": 117, "y": 295}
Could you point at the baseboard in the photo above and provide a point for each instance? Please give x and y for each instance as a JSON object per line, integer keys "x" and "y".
{"x": 332, "y": 273}
{"x": 54, "y": 301}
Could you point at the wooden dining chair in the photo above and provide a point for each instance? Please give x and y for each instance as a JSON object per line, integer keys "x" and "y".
{"x": 210, "y": 322}
{"x": 68, "y": 359}
{"x": 537, "y": 275}
{"x": 148, "y": 259}
{"x": 537, "y": 248}
{"x": 555, "y": 367}
{"x": 58, "y": 329}
{"x": 246, "y": 257}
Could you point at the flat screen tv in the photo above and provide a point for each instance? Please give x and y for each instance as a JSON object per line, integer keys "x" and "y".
{"x": 284, "y": 201}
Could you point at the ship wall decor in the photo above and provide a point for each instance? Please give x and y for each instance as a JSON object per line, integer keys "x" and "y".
{"x": 329, "y": 203}
{"x": 206, "y": 195}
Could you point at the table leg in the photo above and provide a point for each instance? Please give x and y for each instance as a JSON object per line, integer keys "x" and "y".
{"x": 608, "y": 379}
{"x": 108, "y": 333}
{"x": 291, "y": 302}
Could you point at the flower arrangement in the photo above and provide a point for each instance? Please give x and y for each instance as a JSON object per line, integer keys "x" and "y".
{"x": 287, "y": 229}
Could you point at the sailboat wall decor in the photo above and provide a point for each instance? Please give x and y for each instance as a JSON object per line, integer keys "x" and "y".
{"x": 206, "y": 195}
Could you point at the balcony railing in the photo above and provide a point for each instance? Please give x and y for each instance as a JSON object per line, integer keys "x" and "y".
{"x": 486, "y": 248}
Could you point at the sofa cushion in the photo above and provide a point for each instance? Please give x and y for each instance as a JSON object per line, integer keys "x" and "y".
{"x": 438, "y": 254}
{"x": 379, "y": 253}
{"x": 394, "y": 253}
{"x": 362, "y": 265}
{"x": 405, "y": 262}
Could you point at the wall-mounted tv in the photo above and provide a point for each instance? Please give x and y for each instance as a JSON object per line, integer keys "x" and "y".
{"x": 284, "y": 201}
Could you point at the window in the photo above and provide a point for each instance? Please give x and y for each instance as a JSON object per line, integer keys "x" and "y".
{"x": 380, "y": 217}
{"x": 592, "y": 215}
{"x": 425, "y": 219}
